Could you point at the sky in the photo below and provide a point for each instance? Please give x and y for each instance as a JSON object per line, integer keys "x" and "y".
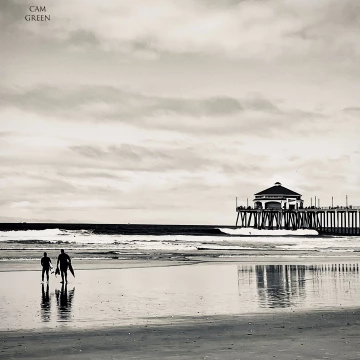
{"x": 165, "y": 111}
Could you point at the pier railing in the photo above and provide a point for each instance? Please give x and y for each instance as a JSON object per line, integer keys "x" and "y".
{"x": 343, "y": 208}
{"x": 350, "y": 207}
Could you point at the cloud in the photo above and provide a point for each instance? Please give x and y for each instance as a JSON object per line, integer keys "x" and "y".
{"x": 142, "y": 158}
{"x": 110, "y": 101}
{"x": 12, "y": 12}
{"x": 354, "y": 110}
{"x": 212, "y": 115}
{"x": 5, "y": 134}
{"x": 235, "y": 29}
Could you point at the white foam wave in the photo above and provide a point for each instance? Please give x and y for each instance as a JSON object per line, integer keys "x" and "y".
{"x": 29, "y": 234}
{"x": 241, "y": 239}
{"x": 84, "y": 237}
{"x": 263, "y": 232}
{"x": 223, "y": 247}
{"x": 47, "y": 234}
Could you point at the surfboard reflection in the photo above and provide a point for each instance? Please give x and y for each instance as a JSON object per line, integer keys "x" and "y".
{"x": 64, "y": 300}
{"x": 45, "y": 303}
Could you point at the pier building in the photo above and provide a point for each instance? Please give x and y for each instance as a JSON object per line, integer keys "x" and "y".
{"x": 277, "y": 197}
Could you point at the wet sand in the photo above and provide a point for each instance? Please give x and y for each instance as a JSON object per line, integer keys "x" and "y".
{"x": 314, "y": 335}
{"x": 281, "y": 309}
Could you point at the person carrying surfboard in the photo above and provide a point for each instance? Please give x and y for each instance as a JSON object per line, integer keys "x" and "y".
{"x": 65, "y": 262}
{"x": 46, "y": 265}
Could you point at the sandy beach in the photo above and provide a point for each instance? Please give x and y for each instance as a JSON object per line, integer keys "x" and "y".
{"x": 314, "y": 335}
{"x": 138, "y": 309}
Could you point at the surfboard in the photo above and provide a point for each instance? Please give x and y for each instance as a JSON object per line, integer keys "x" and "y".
{"x": 71, "y": 270}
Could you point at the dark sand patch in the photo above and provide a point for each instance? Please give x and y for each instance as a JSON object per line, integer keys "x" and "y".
{"x": 304, "y": 335}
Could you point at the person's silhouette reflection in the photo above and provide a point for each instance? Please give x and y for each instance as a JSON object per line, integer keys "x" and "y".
{"x": 45, "y": 303}
{"x": 64, "y": 301}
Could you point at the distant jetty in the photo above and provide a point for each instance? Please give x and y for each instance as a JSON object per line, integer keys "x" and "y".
{"x": 280, "y": 208}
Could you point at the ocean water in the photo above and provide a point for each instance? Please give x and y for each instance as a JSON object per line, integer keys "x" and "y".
{"x": 28, "y": 241}
{"x": 298, "y": 271}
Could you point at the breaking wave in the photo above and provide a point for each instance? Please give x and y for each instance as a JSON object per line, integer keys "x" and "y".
{"x": 263, "y": 232}
{"x": 155, "y": 239}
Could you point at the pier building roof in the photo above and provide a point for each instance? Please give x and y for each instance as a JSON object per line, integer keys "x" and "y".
{"x": 278, "y": 189}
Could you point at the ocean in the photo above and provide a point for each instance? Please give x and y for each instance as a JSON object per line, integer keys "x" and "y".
{"x": 28, "y": 241}
{"x": 144, "y": 274}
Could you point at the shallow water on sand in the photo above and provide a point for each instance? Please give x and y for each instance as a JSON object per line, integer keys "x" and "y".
{"x": 106, "y": 297}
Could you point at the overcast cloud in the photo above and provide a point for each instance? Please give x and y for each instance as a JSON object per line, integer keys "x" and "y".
{"x": 164, "y": 111}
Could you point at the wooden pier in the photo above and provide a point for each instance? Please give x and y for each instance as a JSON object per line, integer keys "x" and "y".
{"x": 332, "y": 221}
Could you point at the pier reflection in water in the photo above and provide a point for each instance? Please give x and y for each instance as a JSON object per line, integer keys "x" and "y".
{"x": 64, "y": 300}
{"x": 284, "y": 286}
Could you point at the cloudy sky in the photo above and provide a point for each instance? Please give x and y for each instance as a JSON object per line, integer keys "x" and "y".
{"x": 163, "y": 111}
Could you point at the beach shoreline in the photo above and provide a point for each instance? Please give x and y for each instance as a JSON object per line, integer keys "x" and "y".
{"x": 165, "y": 258}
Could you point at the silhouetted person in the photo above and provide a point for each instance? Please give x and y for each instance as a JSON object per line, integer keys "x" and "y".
{"x": 45, "y": 303}
{"x": 64, "y": 261}
{"x": 45, "y": 263}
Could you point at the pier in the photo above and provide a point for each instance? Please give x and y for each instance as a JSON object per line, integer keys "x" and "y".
{"x": 281, "y": 208}
{"x": 332, "y": 221}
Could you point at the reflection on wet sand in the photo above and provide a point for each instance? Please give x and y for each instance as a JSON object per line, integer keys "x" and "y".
{"x": 64, "y": 300}
{"x": 279, "y": 285}
{"x": 45, "y": 303}
{"x": 283, "y": 286}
